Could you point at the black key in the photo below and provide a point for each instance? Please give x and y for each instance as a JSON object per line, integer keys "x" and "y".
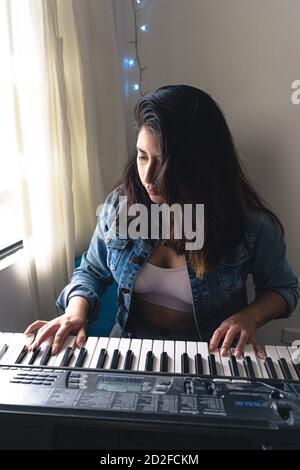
{"x": 67, "y": 357}
{"x": 22, "y": 355}
{"x": 164, "y": 362}
{"x": 46, "y": 356}
{"x": 285, "y": 369}
{"x": 149, "y": 361}
{"x": 212, "y": 364}
{"x": 34, "y": 354}
{"x": 101, "y": 359}
{"x": 3, "y": 350}
{"x": 270, "y": 368}
{"x": 249, "y": 367}
{"x": 198, "y": 364}
{"x": 297, "y": 369}
{"x": 81, "y": 357}
{"x": 185, "y": 363}
{"x": 128, "y": 360}
{"x": 233, "y": 366}
{"x": 115, "y": 359}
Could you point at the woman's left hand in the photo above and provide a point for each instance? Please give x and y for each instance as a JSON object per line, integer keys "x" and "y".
{"x": 239, "y": 324}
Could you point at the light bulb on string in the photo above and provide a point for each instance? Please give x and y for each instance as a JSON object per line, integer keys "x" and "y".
{"x": 128, "y": 62}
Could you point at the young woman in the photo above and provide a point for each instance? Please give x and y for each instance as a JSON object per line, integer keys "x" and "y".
{"x": 185, "y": 155}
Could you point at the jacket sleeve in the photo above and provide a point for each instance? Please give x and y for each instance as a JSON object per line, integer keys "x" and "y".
{"x": 270, "y": 267}
{"x": 91, "y": 279}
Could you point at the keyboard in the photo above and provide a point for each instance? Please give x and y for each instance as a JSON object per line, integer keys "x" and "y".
{"x": 128, "y": 393}
{"x": 160, "y": 356}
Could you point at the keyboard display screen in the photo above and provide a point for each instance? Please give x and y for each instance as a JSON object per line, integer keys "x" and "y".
{"x": 120, "y": 384}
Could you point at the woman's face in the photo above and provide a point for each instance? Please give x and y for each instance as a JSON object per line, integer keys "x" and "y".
{"x": 148, "y": 160}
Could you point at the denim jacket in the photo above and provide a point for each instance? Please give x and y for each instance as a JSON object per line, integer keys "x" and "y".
{"x": 216, "y": 296}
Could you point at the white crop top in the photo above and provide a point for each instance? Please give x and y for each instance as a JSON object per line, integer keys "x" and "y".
{"x": 169, "y": 287}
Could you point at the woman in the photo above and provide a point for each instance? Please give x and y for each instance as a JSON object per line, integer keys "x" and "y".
{"x": 185, "y": 155}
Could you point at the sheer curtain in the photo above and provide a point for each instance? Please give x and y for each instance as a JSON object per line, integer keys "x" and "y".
{"x": 70, "y": 131}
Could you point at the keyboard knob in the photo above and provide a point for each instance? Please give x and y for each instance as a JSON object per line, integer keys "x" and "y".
{"x": 210, "y": 388}
{"x": 283, "y": 409}
{"x": 188, "y": 387}
{"x": 275, "y": 395}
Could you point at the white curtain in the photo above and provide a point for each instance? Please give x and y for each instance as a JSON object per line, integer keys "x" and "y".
{"x": 70, "y": 131}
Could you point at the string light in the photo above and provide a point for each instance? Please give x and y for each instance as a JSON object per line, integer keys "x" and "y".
{"x": 129, "y": 62}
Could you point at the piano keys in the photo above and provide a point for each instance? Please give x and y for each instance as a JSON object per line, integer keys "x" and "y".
{"x": 181, "y": 357}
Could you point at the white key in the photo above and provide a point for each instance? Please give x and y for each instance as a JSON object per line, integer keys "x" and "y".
{"x": 295, "y": 355}
{"x": 158, "y": 347}
{"x": 3, "y": 349}
{"x": 203, "y": 350}
{"x": 225, "y": 363}
{"x": 21, "y": 341}
{"x": 124, "y": 346}
{"x": 101, "y": 344}
{"x": 169, "y": 348}
{"x": 146, "y": 346}
{"x": 135, "y": 347}
{"x": 52, "y": 360}
{"x": 113, "y": 344}
{"x": 90, "y": 347}
{"x": 257, "y": 362}
{"x": 191, "y": 349}
{"x": 284, "y": 354}
{"x": 180, "y": 348}
{"x": 271, "y": 352}
{"x": 69, "y": 342}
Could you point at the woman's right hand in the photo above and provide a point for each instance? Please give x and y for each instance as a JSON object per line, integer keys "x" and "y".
{"x": 72, "y": 321}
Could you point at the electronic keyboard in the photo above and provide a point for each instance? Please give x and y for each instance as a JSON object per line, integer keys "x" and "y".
{"x": 128, "y": 393}
{"x": 186, "y": 357}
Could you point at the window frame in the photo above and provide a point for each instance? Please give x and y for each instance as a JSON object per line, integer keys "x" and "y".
{"x": 11, "y": 249}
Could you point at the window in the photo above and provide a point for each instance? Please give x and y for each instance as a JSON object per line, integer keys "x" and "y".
{"x": 10, "y": 213}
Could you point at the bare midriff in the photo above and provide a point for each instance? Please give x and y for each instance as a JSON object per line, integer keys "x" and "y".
{"x": 161, "y": 316}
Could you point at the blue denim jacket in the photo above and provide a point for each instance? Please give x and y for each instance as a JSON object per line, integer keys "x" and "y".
{"x": 218, "y": 295}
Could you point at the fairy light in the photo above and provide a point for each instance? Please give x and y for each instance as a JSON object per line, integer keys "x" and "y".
{"x": 131, "y": 62}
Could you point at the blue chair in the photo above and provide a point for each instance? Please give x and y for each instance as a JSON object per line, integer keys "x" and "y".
{"x": 106, "y": 320}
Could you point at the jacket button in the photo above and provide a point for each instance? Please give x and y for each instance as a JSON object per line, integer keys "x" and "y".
{"x": 125, "y": 290}
{"x": 136, "y": 259}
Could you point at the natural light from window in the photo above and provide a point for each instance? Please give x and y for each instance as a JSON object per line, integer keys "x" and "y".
{"x": 10, "y": 215}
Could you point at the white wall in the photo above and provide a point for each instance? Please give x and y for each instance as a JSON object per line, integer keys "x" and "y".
{"x": 246, "y": 55}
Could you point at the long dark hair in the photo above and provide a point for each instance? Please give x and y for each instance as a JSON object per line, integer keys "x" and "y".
{"x": 199, "y": 165}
